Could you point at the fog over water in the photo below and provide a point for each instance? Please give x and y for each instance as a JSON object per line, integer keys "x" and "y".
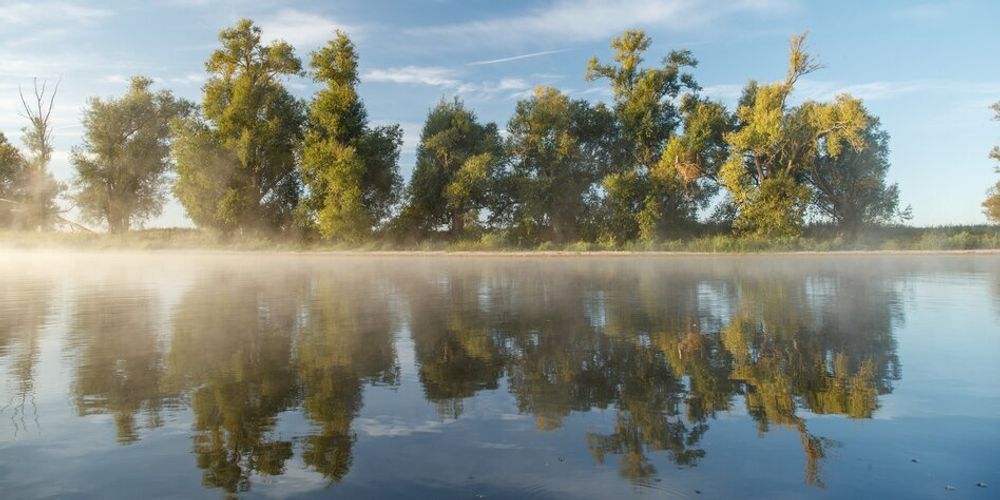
{"x": 189, "y": 375}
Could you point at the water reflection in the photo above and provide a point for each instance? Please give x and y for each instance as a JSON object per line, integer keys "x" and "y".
{"x": 119, "y": 364}
{"x": 25, "y": 309}
{"x": 667, "y": 346}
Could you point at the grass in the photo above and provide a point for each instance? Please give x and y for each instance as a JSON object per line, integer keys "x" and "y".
{"x": 945, "y": 238}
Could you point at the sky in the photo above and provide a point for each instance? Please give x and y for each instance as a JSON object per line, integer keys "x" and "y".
{"x": 928, "y": 69}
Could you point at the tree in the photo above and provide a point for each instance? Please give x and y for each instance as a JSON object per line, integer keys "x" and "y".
{"x": 236, "y": 163}
{"x": 557, "y": 157}
{"x": 456, "y": 159}
{"x": 775, "y": 144}
{"x": 992, "y": 204}
{"x": 851, "y": 190}
{"x": 647, "y": 114}
{"x": 38, "y": 190}
{"x": 350, "y": 169}
{"x": 13, "y": 169}
{"x": 123, "y": 163}
{"x": 686, "y": 176}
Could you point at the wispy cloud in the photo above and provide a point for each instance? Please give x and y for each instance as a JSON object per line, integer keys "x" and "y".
{"x": 517, "y": 58}
{"x": 584, "y": 20}
{"x": 448, "y": 79}
{"x": 888, "y": 89}
{"x": 823, "y": 90}
{"x": 34, "y": 13}
{"x": 420, "y": 75}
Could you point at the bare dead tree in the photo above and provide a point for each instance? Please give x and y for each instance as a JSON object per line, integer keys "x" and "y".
{"x": 38, "y": 135}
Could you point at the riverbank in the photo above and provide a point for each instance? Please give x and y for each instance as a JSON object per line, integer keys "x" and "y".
{"x": 979, "y": 239}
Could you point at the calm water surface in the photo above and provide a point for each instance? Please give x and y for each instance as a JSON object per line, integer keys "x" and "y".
{"x": 185, "y": 376}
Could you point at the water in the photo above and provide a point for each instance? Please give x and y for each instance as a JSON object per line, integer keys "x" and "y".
{"x": 187, "y": 375}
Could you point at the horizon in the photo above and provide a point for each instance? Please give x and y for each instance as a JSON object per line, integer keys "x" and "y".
{"x": 913, "y": 64}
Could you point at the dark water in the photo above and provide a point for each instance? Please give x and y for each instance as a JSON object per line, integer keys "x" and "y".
{"x": 183, "y": 376}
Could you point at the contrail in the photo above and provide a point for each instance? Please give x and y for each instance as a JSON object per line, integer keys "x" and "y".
{"x": 514, "y": 58}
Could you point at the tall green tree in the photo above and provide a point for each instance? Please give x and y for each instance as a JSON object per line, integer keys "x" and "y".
{"x": 236, "y": 163}
{"x": 350, "y": 169}
{"x": 646, "y": 109}
{"x": 456, "y": 161}
{"x": 992, "y": 204}
{"x": 776, "y": 143}
{"x": 121, "y": 167}
{"x": 557, "y": 157}
{"x": 851, "y": 189}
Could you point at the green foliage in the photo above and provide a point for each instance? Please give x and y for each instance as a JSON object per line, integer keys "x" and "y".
{"x": 991, "y": 207}
{"x": 446, "y": 190}
{"x": 13, "y": 169}
{"x": 236, "y": 163}
{"x": 995, "y": 153}
{"x": 851, "y": 190}
{"x": 350, "y": 169}
{"x": 775, "y": 141}
{"x": 557, "y": 156}
{"x": 641, "y": 203}
{"x": 121, "y": 168}
{"x": 644, "y": 96}
{"x": 775, "y": 209}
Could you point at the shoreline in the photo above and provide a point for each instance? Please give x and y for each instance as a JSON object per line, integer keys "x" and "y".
{"x": 482, "y": 253}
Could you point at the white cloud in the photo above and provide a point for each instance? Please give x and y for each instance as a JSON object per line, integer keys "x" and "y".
{"x": 302, "y": 29}
{"x": 583, "y": 20}
{"x": 420, "y": 75}
{"x": 35, "y": 13}
{"x": 878, "y": 90}
{"x": 825, "y": 90}
{"x": 189, "y": 79}
{"x": 449, "y": 79}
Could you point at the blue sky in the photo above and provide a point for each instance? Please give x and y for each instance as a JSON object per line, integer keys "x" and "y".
{"x": 927, "y": 68}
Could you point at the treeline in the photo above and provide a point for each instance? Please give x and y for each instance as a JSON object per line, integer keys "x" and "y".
{"x": 660, "y": 161}
{"x": 991, "y": 207}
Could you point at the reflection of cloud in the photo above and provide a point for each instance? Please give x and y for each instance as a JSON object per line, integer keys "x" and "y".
{"x": 388, "y": 426}
{"x": 580, "y": 20}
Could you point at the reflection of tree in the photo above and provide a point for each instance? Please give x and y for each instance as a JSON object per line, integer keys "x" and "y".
{"x": 827, "y": 347}
{"x": 454, "y": 345}
{"x": 232, "y": 345}
{"x": 249, "y": 348}
{"x": 25, "y": 307}
{"x": 346, "y": 340}
{"x": 669, "y": 348}
{"x": 120, "y": 365}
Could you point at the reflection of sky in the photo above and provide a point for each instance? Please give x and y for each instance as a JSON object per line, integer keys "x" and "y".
{"x": 941, "y": 413}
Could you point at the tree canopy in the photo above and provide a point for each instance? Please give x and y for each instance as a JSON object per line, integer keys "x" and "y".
{"x": 350, "y": 169}
{"x": 122, "y": 165}
{"x": 236, "y": 162}
{"x": 659, "y": 161}
{"x": 456, "y": 158}
{"x": 992, "y": 204}
{"x": 775, "y": 143}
